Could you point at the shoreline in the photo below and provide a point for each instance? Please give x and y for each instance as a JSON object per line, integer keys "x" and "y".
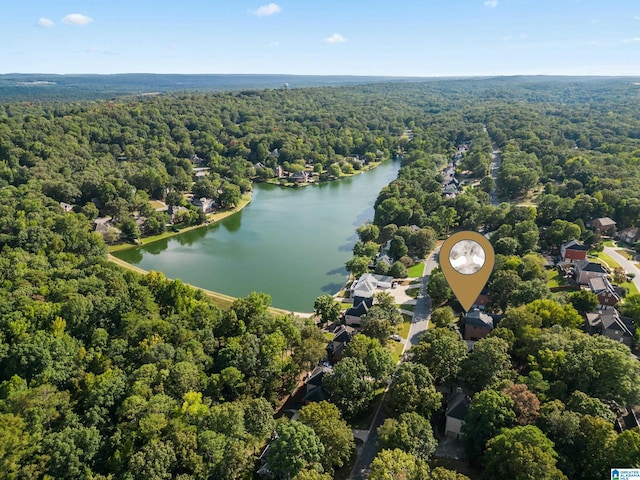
{"x": 222, "y": 300}
{"x": 343, "y": 176}
{"x": 212, "y": 218}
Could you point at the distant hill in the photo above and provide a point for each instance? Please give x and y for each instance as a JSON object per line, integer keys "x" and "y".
{"x": 47, "y": 87}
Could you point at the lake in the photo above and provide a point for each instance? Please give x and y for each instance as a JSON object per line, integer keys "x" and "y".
{"x": 291, "y": 243}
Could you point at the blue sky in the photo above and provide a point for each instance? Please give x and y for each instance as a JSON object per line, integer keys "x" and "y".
{"x": 322, "y": 37}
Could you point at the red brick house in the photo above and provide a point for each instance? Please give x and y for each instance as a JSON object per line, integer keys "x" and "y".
{"x": 585, "y": 270}
{"x": 607, "y": 296}
{"x": 603, "y": 225}
{"x": 477, "y": 325}
{"x": 572, "y": 251}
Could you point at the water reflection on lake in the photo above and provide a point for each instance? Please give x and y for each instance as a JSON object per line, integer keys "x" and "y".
{"x": 290, "y": 243}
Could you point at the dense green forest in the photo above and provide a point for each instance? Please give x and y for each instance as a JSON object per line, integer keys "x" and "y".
{"x": 105, "y": 373}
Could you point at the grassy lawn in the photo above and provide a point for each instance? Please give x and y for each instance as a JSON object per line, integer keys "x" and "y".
{"x": 416, "y": 271}
{"x": 626, "y": 254}
{"x": 554, "y": 279}
{"x": 328, "y": 336}
{"x": 403, "y": 329}
{"x": 609, "y": 243}
{"x": 395, "y": 348}
{"x": 631, "y": 286}
{"x": 408, "y": 307}
{"x": 412, "y": 292}
{"x": 606, "y": 258}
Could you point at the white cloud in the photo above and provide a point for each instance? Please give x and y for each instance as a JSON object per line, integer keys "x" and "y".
{"x": 77, "y": 19}
{"x": 637, "y": 17}
{"x": 45, "y": 22}
{"x": 632, "y": 40}
{"x": 333, "y": 39}
{"x": 172, "y": 45}
{"x": 266, "y": 10}
{"x": 491, "y": 3}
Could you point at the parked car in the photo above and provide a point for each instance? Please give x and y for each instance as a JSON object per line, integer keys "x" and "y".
{"x": 397, "y": 338}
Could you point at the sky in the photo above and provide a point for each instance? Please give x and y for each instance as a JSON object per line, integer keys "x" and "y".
{"x": 423, "y": 38}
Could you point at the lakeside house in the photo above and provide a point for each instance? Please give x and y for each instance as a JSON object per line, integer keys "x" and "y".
{"x": 206, "y": 205}
{"x": 368, "y": 283}
{"x": 353, "y": 315}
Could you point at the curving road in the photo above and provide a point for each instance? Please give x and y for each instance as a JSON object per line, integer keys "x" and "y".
{"x": 628, "y": 265}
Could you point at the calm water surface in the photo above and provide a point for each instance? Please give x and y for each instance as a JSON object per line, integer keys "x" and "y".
{"x": 289, "y": 243}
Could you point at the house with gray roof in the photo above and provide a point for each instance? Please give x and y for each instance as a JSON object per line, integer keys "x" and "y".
{"x": 584, "y": 270}
{"x": 609, "y": 323}
{"x": 456, "y": 413}
{"x": 606, "y": 293}
{"x": 477, "y": 325}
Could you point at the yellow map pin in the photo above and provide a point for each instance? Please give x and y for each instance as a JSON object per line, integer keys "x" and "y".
{"x": 467, "y": 259}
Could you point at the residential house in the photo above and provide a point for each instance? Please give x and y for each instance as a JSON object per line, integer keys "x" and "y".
{"x": 200, "y": 172}
{"x": 315, "y": 392}
{"x": 483, "y": 300}
{"x": 629, "y": 235}
{"x": 477, "y": 325}
{"x": 384, "y": 259}
{"x": 627, "y": 420}
{"x": 572, "y": 251}
{"x": 450, "y": 191}
{"x": 342, "y": 335}
{"x": 102, "y": 224}
{"x": 456, "y": 413}
{"x": 368, "y": 283}
{"x": 584, "y": 270}
{"x": 105, "y": 227}
{"x": 66, "y": 207}
{"x": 300, "y": 177}
{"x": 173, "y": 211}
{"x": 196, "y": 160}
{"x": 204, "y": 204}
{"x": 274, "y": 153}
{"x": 603, "y": 225}
{"x": 278, "y": 171}
{"x": 609, "y": 323}
{"x": 353, "y": 315}
{"x": 607, "y": 296}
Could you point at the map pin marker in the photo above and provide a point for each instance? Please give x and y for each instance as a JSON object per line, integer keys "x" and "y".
{"x": 467, "y": 259}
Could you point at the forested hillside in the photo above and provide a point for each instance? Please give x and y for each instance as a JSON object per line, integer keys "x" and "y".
{"x": 110, "y": 374}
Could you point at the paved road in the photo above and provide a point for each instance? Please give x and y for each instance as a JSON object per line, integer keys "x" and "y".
{"x": 495, "y": 165}
{"x": 422, "y": 312}
{"x": 421, "y": 316}
{"x": 628, "y": 265}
